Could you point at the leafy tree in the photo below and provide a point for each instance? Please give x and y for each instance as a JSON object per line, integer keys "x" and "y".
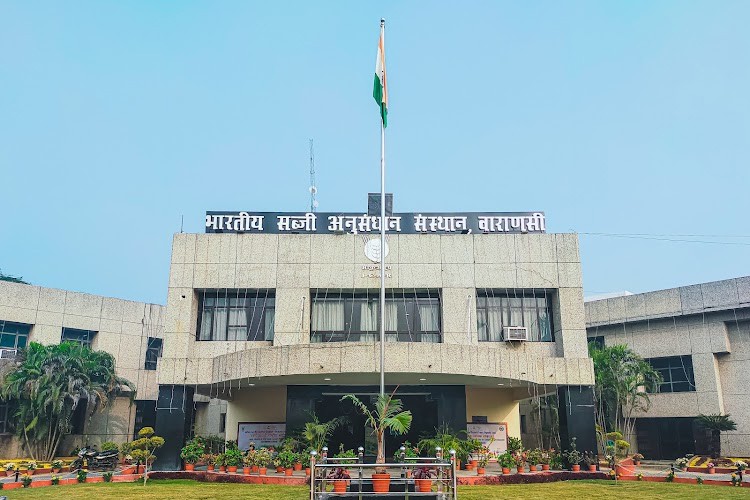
{"x": 716, "y": 424}
{"x": 49, "y": 384}
{"x": 387, "y": 415}
{"x": 12, "y": 279}
{"x": 143, "y": 448}
{"x": 623, "y": 381}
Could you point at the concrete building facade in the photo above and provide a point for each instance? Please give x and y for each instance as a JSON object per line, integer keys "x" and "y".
{"x": 698, "y": 338}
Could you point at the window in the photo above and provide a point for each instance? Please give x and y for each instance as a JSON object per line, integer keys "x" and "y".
{"x": 145, "y": 416}
{"x": 83, "y": 337}
{"x": 153, "y": 353}
{"x": 222, "y": 422}
{"x": 497, "y": 309}
{"x": 78, "y": 419}
{"x": 352, "y": 316}
{"x": 236, "y": 315}
{"x": 598, "y": 341}
{"x": 4, "y": 418}
{"x": 13, "y": 335}
{"x": 677, "y": 372}
{"x": 524, "y": 430}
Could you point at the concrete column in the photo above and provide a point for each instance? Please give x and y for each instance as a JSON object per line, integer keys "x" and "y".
{"x": 174, "y": 415}
{"x": 576, "y": 411}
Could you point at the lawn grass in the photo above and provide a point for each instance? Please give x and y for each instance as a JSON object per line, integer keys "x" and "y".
{"x": 191, "y": 490}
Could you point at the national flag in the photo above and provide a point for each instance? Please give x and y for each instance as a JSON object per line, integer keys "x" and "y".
{"x": 380, "y": 90}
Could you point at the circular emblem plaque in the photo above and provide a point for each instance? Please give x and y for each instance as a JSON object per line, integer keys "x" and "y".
{"x": 372, "y": 249}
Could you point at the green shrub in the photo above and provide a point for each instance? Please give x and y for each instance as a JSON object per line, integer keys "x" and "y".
{"x": 107, "y": 477}
{"x": 109, "y": 445}
{"x": 81, "y": 476}
{"x": 26, "y": 480}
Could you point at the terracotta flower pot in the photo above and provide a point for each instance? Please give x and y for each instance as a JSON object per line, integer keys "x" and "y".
{"x": 545, "y": 466}
{"x": 262, "y": 471}
{"x": 254, "y": 469}
{"x": 637, "y": 462}
{"x": 246, "y": 470}
{"x": 339, "y": 486}
{"x": 189, "y": 467}
{"x": 458, "y": 464}
{"x": 279, "y": 469}
{"x": 480, "y": 471}
{"x": 712, "y": 470}
{"x": 520, "y": 469}
{"x": 592, "y": 468}
{"x": 288, "y": 472}
{"x": 381, "y": 483}
{"x": 232, "y": 468}
{"x": 210, "y": 467}
{"x": 575, "y": 468}
{"x": 307, "y": 471}
{"x": 222, "y": 468}
{"x": 532, "y": 468}
{"x": 474, "y": 462}
{"x": 506, "y": 470}
{"x": 424, "y": 485}
{"x": 30, "y": 472}
{"x": 470, "y": 466}
{"x": 298, "y": 466}
{"x": 10, "y": 473}
{"x": 56, "y": 471}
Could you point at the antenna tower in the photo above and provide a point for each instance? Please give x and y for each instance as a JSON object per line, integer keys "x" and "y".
{"x": 313, "y": 188}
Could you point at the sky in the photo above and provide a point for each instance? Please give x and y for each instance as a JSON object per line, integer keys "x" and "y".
{"x": 120, "y": 119}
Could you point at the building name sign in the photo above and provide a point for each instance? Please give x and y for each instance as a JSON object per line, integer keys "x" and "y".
{"x": 405, "y": 223}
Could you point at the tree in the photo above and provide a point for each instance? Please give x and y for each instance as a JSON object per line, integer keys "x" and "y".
{"x": 317, "y": 433}
{"x": 12, "y": 279}
{"x": 388, "y": 415}
{"x": 47, "y": 386}
{"x": 623, "y": 381}
{"x": 143, "y": 448}
{"x": 716, "y": 424}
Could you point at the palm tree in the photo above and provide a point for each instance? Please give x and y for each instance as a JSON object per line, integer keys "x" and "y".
{"x": 389, "y": 415}
{"x": 716, "y": 424}
{"x": 317, "y": 433}
{"x": 50, "y": 383}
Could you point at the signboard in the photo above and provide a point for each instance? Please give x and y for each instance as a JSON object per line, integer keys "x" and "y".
{"x": 405, "y": 223}
{"x": 485, "y": 433}
{"x": 260, "y": 433}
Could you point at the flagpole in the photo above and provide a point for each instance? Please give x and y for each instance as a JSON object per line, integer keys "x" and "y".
{"x": 382, "y": 234}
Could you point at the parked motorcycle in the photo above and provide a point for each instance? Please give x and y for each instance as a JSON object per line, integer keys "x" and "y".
{"x": 92, "y": 459}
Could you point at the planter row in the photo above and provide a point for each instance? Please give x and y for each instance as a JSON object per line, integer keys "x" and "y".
{"x": 48, "y": 482}
{"x": 681, "y": 480}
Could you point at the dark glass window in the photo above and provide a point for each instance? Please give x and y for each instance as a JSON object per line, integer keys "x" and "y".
{"x": 83, "y": 337}
{"x": 236, "y": 315}
{"x": 222, "y": 422}
{"x": 352, "y": 316}
{"x": 4, "y": 418}
{"x": 13, "y": 335}
{"x": 677, "y": 372}
{"x": 153, "y": 353}
{"x": 78, "y": 419}
{"x": 145, "y": 416}
{"x": 598, "y": 341}
{"x": 498, "y": 309}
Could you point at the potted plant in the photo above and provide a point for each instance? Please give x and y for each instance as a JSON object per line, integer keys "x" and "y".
{"x": 589, "y": 462}
{"x": 191, "y": 453}
{"x": 637, "y": 459}
{"x": 741, "y": 466}
{"x": 339, "y": 477}
{"x": 287, "y": 459}
{"x": 482, "y": 459}
{"x": 209, "y": 459}
{"x": 107, "y": 477}
{"x": 81, "y": 475}
{"x": 247, "y": 462}
{"x": 506, "y": 461}
{"x": 711, "y": 467}
{"x": 31, "y": 466}
{"x": 533, "y": 457}
{"x": 55, "y": 480}
{"x": 423, "y": 479}
{"x": 277, "y": 465}
{"x": 56, "y": 466}
{"x": 519, "y": 459}
{"x": 544, "y": 459}
{"x": 221, "y": 461}
{"x": 233, "y": 458}
{"x": 681, "y": 463}
{"x": 10, "y": 468}
{"x": 26, "y": 480}
{"x": 574, "y": 456}
{"x": 262, "y": 458}
{"x": 387, "y": 415}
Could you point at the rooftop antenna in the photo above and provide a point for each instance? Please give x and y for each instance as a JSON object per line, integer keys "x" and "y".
{"x": 313, "y": 188}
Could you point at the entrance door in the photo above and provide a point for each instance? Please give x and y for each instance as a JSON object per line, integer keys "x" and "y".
{"x": 665, "y": 438}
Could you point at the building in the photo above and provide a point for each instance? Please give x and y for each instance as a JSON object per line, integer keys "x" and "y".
{"x": 270, "y": 317}
{"x": 698, "y": 338}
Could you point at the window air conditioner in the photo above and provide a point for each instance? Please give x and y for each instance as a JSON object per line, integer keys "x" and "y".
{"x": 515, "y": 333}
{"x": 8, "y": 353}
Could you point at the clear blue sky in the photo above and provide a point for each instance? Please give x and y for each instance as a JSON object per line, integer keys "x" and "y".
{"x": 612, "y": 117}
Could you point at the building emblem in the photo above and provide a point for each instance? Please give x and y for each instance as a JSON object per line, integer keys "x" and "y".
{"x": 373, "y": 251}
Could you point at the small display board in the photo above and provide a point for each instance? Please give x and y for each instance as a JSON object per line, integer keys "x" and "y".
{"x": 260, "y": 433}
{"x": 486, "y": 432}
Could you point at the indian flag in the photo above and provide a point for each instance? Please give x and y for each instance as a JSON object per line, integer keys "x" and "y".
{"x": 380, "y": 90}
